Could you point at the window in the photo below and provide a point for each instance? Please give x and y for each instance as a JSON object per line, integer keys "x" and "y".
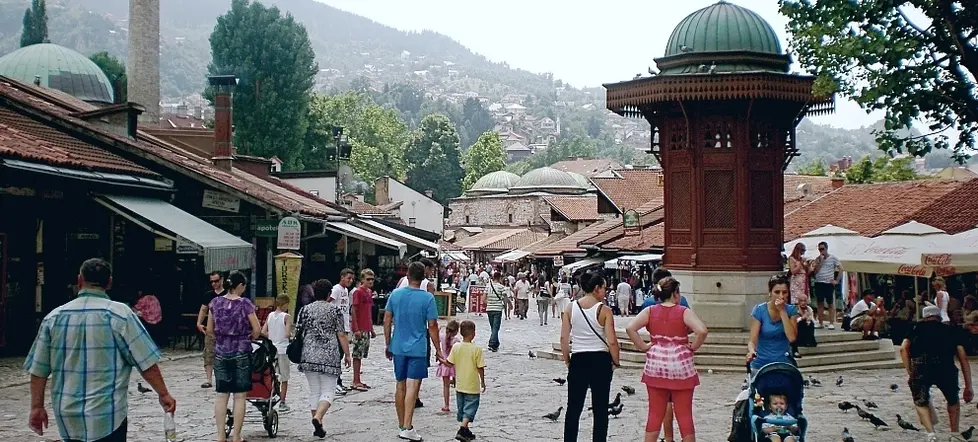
{"x": 510, "y": 218}
{"x": 467, "y": 219}
{"x": 413, "y": 221}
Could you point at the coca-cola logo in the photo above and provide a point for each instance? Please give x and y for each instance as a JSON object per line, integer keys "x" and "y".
{"x": 942, "y": 259}
{"x": 910, "y": 270}
{"x": 886, "y": 251}
{"x": 945, "y": 271}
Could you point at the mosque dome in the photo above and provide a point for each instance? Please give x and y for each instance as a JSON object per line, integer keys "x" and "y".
{"x": 60, "y": 68}
{"x": 726, "y": 37}
{"x": 548, "y": 179}
{"x": 495, "y": 182}
{"x": 582, "y": 180}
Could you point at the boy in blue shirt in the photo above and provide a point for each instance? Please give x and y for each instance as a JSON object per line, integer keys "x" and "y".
{"x": 657, "y": 276}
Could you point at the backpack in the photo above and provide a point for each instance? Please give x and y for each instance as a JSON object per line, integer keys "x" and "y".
{"x": 740, "y": 430}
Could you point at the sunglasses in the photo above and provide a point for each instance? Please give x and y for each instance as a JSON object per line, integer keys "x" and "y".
{"x": 215, "y": 281}
{"x": 370, "y": 279}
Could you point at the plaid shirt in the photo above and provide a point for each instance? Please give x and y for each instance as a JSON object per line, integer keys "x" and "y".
{"x": 88, "y": 347}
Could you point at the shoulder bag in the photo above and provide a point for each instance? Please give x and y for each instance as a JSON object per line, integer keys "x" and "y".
{"x": 589, "y": 324}
{"x": 294, "y": 350}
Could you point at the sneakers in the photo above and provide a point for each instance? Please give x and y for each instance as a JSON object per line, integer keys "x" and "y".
{"x": 464, "y": 435}
{"x": 931, "y": 437}
{"x": 340, "y": 391}
{"x": 410, "y": 434}
{"x": 418, "y": 403}
{"x": 283, "y": 407}
{"x": 830, "y": 326}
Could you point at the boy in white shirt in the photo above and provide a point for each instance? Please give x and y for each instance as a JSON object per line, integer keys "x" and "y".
{"x": 278, "y": 329}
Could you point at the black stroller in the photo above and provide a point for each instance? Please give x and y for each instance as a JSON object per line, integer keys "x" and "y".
{"x": 775, "y": 378}
{"x": 266, "y": 390}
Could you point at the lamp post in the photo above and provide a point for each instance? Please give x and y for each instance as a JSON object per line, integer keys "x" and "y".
{"x": 342, "y": 145}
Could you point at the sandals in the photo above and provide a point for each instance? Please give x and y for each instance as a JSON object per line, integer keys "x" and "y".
{"x": 318, "y": 429}
{"x": 446, "y": 410}
{"x": 361, "y": 387}
{"x": 206, "y": 385}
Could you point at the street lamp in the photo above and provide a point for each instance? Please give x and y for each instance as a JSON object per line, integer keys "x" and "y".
{"x": 342, "y": 153}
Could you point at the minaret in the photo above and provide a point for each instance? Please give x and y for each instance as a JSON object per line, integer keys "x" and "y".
{"x": 143, "y": 66}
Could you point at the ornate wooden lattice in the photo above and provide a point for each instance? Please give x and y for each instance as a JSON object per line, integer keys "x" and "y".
{"x": 676, "y": 131}
{"x": 654, "y": 147}
{"x": 680, "y": 200}
{"x": 718, "y": 135}
{"x": 762, "y": 136}
{"x": 761, "y": 199}
{"x": 719, "y": 199}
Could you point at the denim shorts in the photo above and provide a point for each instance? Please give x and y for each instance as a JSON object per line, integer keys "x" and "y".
{"x": 410, "y": 367}
{"x": 232, "y": 373}
{"x": 468, "y": 405}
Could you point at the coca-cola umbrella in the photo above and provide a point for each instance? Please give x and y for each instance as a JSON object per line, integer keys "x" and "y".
{"x": 898, "y": 251}
{"x": 838, "y": 238}
{"x": 955, "y": 251}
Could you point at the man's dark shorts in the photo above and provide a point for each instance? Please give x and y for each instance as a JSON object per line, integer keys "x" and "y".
{"x": 824, "y": 292}
{"x": 923, "y": 376}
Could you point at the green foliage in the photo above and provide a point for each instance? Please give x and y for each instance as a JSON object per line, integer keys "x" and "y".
{"x": 882, "y": 169}
{"x": 272, "y": 57}
{"x": 35, "y": 24}
{"x": 115, "y": 70}
{"x": 376, "y": 135}
{"x": 564, "y": 148}
{"x": 812, "y": 168}
{"x": 484, "y": 157}
{"x": 476, "y": 120}
{"x": 872, "y": 52}
{"x": 433, "y": 156}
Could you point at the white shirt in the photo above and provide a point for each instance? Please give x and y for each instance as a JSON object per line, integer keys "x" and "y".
{"x": 277, "y": 332}
{"x": 582, "y": 334}
{"x": 942, "y": 300}
{"x": 624, "y": 290}
{"x": 860, "y": 307}
{"x": 484, "y": 276}
{"x": 522, "y": 288}
{"x": 340, "y": 296}
{"x": 826, "y": 273}
{"x": 404, "y": 283}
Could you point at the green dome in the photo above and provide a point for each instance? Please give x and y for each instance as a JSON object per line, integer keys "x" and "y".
{"x": 726, "y": 37}
{"x": 581, "y": 180}
{"x": 495, "y": 182}
{"x": 547, "y": 179}
{"x": 58, "y": 68}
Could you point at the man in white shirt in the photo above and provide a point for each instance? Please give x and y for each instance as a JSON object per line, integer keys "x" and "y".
{"x": 827, "y": 274}
{"x": 484, "y": 276}
{"x": 868, "y": 315}
{"x": 340, "y": 297}
{"x": 624, "y": 291}
{"x": 522, "y": 289}
{"x": 426, "y": 284}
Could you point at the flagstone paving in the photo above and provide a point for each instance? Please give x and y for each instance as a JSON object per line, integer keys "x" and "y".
{"x": 520, "y": 391}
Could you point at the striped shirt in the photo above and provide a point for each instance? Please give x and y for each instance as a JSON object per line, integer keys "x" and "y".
{"x": 495, "y": 297}
{"x": 89, "y": 347}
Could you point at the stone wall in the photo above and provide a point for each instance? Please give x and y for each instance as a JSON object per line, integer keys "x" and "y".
{"x": 143, "y": 65}
{"x": 496, "y": 211}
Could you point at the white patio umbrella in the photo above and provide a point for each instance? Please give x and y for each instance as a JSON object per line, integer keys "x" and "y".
{"x": 838, "y": 238}
{"x": 898, "y": 251}
{"x": 959, "y": 250}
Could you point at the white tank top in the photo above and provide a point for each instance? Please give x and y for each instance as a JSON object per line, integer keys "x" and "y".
{"x": 404, "y": 283}
{"x": 276, "y": 331}
{"x": 583, "y": 338}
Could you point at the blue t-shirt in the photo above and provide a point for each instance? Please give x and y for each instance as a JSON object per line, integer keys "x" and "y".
{"x": 772, "y": 343}
{"x": 650, "y": 301}
{"x": 411, "y": 309}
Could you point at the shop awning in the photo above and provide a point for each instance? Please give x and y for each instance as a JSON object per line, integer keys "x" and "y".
{"x": 222, "y": 251}
{"x": 363, "y": 235}
{"x": 611, "y": 263}
{"x": 455, "y": 255}
{"x": 650, "y": 257}
{"x": 403, "y": 236}
{"x": 512, "y": 255}
{"x": 577, "y": 265}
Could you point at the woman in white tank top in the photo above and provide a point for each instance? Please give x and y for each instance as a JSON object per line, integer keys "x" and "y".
{"x": 942, "y": 298}
{"x": 590, "y": 350}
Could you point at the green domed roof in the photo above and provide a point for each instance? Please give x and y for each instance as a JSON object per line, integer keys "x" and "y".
{"x": 726, "y": 37}
{"x": 58, "y": 68}
{"x": 547, "y": 179}
{"x": 495, "y": 182}
{"x": 581, "y": 180}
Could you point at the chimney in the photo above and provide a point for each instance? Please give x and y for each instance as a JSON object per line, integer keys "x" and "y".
{"x": 143, "y": 66}
{"x": 223, "y": 148}
{"x": 429, "y": 193}
{"x": 838, "y": 182}
{"x": 198, "y": 112}
{"x": 182, "y": 110}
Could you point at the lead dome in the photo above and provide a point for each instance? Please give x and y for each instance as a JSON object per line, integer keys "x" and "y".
{"x": 59, "y": 68}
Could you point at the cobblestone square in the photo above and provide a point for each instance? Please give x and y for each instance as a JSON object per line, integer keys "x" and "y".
{"x": 520, "y": 391}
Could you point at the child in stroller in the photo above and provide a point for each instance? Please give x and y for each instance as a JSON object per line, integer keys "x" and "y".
{"x": 753, "y": 421}
{"x": 778, "y": 424}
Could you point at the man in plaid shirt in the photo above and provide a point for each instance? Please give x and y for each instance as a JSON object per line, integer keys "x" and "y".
{"x": 88, "y": 347}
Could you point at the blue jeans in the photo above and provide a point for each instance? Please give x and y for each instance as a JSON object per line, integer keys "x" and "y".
{"x": 495, "y": 321}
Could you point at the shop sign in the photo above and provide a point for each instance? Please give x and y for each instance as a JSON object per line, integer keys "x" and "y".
{"x": 558, "y": 261}
{"x": 266, "y": 228}
{"x": 477, "y": 299}
{"x": 162, "y": 244}
{"x": 221, "y": 201}
{"x": 18, "y": 191}
{"x": 631, "y": 222}
{"x": 187, "y": 248}
{"x": 83, "y": 236}
{"x": 289, "y": 234}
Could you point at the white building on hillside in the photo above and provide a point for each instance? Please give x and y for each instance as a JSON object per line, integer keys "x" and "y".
{"x": 416, "y": 209}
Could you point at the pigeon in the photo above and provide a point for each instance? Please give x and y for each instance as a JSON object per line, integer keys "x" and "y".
{"x": 894, "y": 387}
{"x": 906, "y": 425}
{"x": 815, "y": 382}
{"x": 862, "y": 413}
{"x": 615, "y": 411}
{"x": 613, "y": 403}
{"x": 806, "y": 383}
{"x": 713, "y": 68}
{"x": 629, "y": 390}
{"x": 653, "y": 71}
{"x": 685, "y": 48}
{"x": 531, "y": 354}
{"x": 846, "y": 437}
{"x": 877, "y": 422}
{"x": 870, "y": 404}
{"x": 846, "y": 406}
{"x": 560, "y": 381}
{"x": 966, "y": 434}
{"x": 838, "y": 382}
{"x": 141, "y": 389}
{"x": 554, "y": 416}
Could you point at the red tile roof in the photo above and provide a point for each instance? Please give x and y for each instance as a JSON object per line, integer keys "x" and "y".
{"x": 631, "y": 188}
{"x": 648, "y": 238}
{"x": 176, "y": 121}
{"x": 587, "y": 166}
{"x": 270, "y": 192}
{"x": 569, "y": 244}
{"x": 501, "y": 239}
{"x": 575, "y": 208}
{"x": 650, "y": 215}
{"x": 27, "y": 139}
{"x": 793, "y": 196}
{"x": 951, "y": 205}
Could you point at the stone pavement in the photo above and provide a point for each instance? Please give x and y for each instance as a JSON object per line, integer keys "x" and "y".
{"x": 519, "y": 392}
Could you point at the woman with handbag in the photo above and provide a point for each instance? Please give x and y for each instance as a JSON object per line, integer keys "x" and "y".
{"x": 319, "y": 331}
{"x": 592, "y": 359}
{"x": 669, "y": 373}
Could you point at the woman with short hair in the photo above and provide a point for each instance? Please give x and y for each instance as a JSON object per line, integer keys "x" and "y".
{"x": 322, "y": 330}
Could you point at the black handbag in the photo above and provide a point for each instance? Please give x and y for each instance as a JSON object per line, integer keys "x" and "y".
{"x": 294, "y": 350}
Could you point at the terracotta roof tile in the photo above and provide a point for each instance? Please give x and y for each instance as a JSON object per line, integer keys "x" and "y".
{"x": 649, "y": 238}
{"x": 951, "y": 205}
{"x": 569, "y": 244}
{"x": 631, "y": 188}
{"x": 587, "y": 166}
{"x": 575, "y": 208}
{"x": 649, "y": 215}
{"x": 24, "y": 138}
{"x": 500, "y": 239}
{"x": 527, "y": 236}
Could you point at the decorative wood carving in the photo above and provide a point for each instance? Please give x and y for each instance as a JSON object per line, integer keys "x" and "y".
{"x": 762, "y": 187}
{"x": 681, "y": 238}
{"x": 676, "y": 131}
{"x": 680, "y": 200}
{"x": 718, "y": 190}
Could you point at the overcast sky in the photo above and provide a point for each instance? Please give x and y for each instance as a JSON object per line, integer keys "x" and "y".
{"x": 586, "y": 43}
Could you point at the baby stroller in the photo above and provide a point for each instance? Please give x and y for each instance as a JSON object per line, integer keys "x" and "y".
{"x": 775, "y": 378}
{"x": 266, "y": 390}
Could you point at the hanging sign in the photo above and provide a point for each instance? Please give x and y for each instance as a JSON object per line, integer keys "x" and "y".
{"x": 266, "y": 228}
{"x": 221, "y": 201}
{"x": 631, "y": 222}
{"x": 289, "y": 234}
{"x": 288, "y": 267}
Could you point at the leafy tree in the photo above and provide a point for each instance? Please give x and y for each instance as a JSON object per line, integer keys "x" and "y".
{"x": 115, "y": 70}
{"x": 882, "y": 169}
{"x": 360, "y": 84}
{"x": 476, "y": 119}
{"x": 35, "y": 24}
{"x": 812, "y": 168}
{"x": 873, "y": 52}
{"x": 376, "y": 134}
{"x": 485, "y": 156}
{"x": 433, "y": 156}
{"x": 272, "y": 57}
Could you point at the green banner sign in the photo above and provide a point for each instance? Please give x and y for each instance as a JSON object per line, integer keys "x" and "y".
{"x": 267, "y": 228}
